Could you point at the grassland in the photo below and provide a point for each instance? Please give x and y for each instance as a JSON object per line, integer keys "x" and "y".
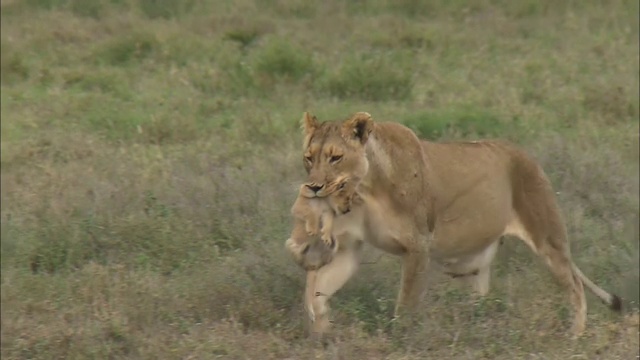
{"x": 150, "y": 153}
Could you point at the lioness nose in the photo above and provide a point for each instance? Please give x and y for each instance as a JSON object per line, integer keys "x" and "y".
{"x": 315, "y": 188}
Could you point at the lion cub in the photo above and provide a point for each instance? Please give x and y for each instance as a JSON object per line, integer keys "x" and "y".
{"x": 313, "y": 217}
{"x": 318, "y": 213}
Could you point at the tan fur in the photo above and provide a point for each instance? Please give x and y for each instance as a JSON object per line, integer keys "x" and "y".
{"x": 313, "y": 217}
{"x": 446, "y": 202}
{"x": 307, "y": 215}
{"x": 317, "y": 215}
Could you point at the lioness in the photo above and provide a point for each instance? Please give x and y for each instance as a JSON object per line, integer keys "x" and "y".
{"x": 448, "y": 202}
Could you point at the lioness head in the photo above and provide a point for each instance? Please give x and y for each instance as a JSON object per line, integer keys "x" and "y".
{"x": 334, "y": 153}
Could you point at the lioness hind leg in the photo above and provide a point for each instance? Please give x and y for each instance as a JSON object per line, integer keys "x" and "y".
{"x": 554, "y": 249}
{"x": 561, "y": 266}
{"x": 480, "y": 281}
{"x": 537, "y": 221}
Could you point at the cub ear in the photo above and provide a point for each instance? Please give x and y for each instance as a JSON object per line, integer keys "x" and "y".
{"x": 358, "y": 127}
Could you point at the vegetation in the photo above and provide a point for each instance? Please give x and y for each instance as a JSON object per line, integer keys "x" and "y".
{"x": 150, "y": 155}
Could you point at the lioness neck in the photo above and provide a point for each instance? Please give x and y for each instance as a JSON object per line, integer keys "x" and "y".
{"x": 397, "y": 170}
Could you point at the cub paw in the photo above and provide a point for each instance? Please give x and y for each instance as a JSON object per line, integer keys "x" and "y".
{"x": 328, "y": 241}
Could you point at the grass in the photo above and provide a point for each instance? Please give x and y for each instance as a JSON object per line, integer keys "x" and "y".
{"x": 150, "y": 154}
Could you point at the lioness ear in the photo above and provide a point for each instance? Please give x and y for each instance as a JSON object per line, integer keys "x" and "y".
{"x": 358, "y": 127}
{"x": 309, "y": 125}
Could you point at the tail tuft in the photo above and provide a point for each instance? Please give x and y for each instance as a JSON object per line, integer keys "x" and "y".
{"x": 616, "y": 303}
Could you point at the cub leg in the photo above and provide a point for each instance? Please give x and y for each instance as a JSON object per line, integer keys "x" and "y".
{"x": 327, "y": 229}
{"x": 312, "y": 224}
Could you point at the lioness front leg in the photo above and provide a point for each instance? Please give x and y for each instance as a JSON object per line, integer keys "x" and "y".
{"x": 329, "y": 279}
{"x": 413, "y": 283}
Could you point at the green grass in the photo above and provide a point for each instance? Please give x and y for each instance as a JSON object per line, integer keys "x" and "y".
{"x": 150, "y": 155}
{"x": 370, "y": 78}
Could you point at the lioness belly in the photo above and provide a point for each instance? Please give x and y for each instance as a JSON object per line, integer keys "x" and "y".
{"x": 474, "y": 220}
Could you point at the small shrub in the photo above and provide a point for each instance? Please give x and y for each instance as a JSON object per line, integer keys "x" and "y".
{"x": 290, "y": 8}
{"x": 59, "y": 248}
{"x": 375, "y": 79}
{"x": 13, "y": 68}
{"x": 166, "y": 9}
{"x": 93, "y": 9}
{"x": 244, "y": 37}
{"x": 108, "y": 82}
{"x": 110, "y": 117}
{"x": 413, "y": 7}
{"x": 46, "y": 4}
{"x": 457, "y": 122}
{"x": 127, "y": 49}
{"x": 120, "y": 120}
{"x": 612, "y": 103}
{"x": 280, "y": 59}
{"x": 233, "y": 76}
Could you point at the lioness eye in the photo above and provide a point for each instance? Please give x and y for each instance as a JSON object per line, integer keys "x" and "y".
{"x": 335, "y": 158}
{"x": 308, "y": 158}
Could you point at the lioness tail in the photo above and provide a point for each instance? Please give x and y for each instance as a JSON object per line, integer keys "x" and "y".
{"x": 612, "y": 300}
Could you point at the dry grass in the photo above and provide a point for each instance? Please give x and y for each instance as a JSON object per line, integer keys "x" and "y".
{"x": 150, "y": 154}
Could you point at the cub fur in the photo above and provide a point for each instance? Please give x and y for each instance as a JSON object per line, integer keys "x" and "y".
{"x": 424, "y": 201}
{"x": 314, "y": 216}
{"x": 318, "y": 214}
{"x": 311, "y": 217}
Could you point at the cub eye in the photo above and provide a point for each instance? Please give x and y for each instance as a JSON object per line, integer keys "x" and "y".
{"x": 335, "y": 158}
{"x": 308, "y": 158}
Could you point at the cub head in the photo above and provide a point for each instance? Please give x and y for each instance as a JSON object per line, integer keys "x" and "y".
{"x": 334, "y": 153}
{"x": 342, "y": 199}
